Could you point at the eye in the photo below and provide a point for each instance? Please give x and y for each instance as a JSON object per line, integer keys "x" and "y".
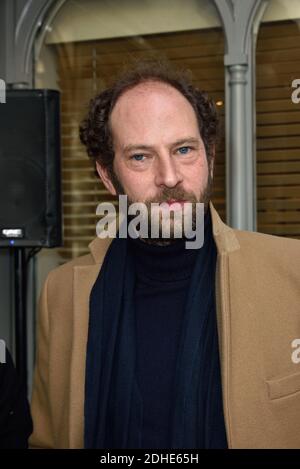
{"x": 137, "y": 157}
{"x": 184, "y": 150}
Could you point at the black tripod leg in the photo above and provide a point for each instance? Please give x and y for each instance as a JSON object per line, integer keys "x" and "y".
{"x": 20, "y": 313}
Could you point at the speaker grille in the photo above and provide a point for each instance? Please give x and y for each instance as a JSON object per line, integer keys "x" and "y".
{"x": 30, "y": 186}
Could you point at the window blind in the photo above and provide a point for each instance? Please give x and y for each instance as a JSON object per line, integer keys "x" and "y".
{"x": 278, "y": 129}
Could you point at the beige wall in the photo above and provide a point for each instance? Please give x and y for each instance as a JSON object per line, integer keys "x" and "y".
{"x": 83, "y": 20}
{"x": 279, "y": 10}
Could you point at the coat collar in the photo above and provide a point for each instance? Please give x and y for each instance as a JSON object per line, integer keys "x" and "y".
{"x": 224, "y": 236}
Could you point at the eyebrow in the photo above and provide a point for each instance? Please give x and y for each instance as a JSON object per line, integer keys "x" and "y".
{"x": 132, "y": 147}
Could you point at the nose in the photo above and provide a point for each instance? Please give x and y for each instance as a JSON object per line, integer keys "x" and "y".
{"x": 167, "y": 172}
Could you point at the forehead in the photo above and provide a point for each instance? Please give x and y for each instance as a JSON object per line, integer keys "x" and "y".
{"x": 151, "y": 108}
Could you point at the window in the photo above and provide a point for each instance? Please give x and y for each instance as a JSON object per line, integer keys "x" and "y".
{"x": 278, "y": 121}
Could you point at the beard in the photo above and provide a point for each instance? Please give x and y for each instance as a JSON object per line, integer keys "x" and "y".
{"x": 176, "y": 193}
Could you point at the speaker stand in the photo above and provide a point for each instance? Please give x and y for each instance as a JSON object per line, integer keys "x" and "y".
{"x": 20, "y": 290}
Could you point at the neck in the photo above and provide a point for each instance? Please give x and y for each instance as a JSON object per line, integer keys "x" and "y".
{"x": 167, "y": 262}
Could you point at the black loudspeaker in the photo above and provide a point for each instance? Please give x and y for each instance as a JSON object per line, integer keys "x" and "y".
{"x": 30, "y": 172}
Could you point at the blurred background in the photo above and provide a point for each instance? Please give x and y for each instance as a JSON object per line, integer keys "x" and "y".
{"x": 244, "y": 53}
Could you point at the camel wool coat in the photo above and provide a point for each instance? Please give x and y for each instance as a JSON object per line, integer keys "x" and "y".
{"x": 258, "y": 317}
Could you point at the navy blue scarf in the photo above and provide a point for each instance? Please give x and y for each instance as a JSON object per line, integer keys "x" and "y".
{"x": 113, "y": 408}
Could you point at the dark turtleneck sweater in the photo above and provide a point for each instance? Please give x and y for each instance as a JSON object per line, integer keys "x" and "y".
{"x": 163, "y": 276}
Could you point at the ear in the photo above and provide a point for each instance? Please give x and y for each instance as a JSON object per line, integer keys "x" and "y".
{"x": 104, "y": 176}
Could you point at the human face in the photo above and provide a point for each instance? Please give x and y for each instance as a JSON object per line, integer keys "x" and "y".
{"x": 159, "y": 153}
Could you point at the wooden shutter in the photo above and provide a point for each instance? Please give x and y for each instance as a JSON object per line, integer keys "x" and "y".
{"x": 278, "y": 130}
{"x": 84, "y": 69}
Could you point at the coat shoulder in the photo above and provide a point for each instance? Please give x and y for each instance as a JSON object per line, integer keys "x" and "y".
{"x": 264, "y": 248}
{"x": 98, "y": 249}
{"x": 266, "y": 240}
{"x": 64, "y": 271}
{"x": 59, "y": 282}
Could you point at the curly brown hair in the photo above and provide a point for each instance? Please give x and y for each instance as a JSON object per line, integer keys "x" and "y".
{"x": 95, "y": 131}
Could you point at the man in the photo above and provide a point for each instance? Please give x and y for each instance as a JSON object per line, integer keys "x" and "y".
{"x": 15, "y": 418}
{"x": 146, "y": 344}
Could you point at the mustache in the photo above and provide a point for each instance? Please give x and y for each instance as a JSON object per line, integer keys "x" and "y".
{"x": 176, "y": 194}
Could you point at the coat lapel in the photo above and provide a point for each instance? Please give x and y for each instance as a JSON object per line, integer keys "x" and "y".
{"x": 84, "y": 277}
{"x": 226, "y": 243}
